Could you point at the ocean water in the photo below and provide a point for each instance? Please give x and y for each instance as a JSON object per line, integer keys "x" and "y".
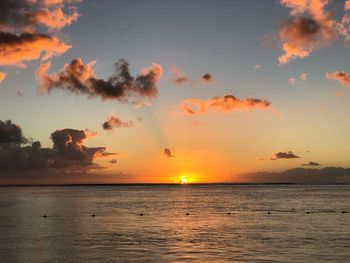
{"x": 183, "y": 223}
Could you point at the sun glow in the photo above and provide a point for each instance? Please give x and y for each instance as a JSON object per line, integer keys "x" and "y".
{"x": 183, "y": 180}
{"x": 186, "y": 178}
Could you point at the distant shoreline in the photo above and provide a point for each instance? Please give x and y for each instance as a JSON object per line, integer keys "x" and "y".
{"x": 165, "y": 184}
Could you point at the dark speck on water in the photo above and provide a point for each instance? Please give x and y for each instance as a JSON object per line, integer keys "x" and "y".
{"x": 167, "y": 233}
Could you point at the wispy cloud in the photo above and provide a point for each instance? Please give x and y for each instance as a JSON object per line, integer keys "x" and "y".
{"x": 225, "y": 103}
{"x": 327, "y": 175}
{"x": 311, "y": 164}
{"x": 2, "y": 76}
{"x": 341, "y": 76}
{"x": 178, "y": 76}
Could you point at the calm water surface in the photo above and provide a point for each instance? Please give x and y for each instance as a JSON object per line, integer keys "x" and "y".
{"x": 305, "y": 224}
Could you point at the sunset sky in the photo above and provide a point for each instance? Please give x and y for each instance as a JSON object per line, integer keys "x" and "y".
{"x": 203, "y": 91}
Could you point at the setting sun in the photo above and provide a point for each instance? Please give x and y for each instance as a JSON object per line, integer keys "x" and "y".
{"x": 187, "y": 178}
{"x": 183, "y": 180}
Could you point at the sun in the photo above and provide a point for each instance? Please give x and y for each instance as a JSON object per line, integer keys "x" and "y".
{"x": 186, "y": 178}
{"x": 183, "y": 180}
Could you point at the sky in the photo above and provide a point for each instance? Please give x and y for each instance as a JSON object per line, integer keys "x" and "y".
{"x": 161, "y": 91}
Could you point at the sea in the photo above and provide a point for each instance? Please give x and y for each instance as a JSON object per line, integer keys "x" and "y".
{"x": 175, "y": 223}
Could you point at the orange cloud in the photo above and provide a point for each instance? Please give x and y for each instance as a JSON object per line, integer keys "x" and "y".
{"x": 2, "y": 76}
{"x": 20, "y": 22}
{"x": 225, "y": 103}
{"x": 56, "y": 18}
{"x": 300, "y": 36}
{"x": 310, "y": 28}
{"x": 316, "y": 8}
{"x": 58, "y": 2}
{"x": 16, "y": 49}
{"x": 341, "y": 76}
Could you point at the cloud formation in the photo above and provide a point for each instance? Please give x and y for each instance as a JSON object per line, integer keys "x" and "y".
{"x": 300, "y": 36}
{"x": 343, "y": 26}
{"x": 68, "y": 152}
{"x": 15, "y": 49}
{"x": 225, "y": 103}
{"x": 292, "y": 81}
{"x": 310, "y": 27}
{"x": 2, "y": 76}
{"x": 11, "y": 133}
{"x": 56, "y": 18}
{"x": 284, "y": 155}
{"x": 178, "y": 77}
{"x": 311, "y": 164}
{"x": 168, "y": 153}
{"x": 115, "y": 122}
{"x": 20, "y": 21}
{"x": 80, "y": 78}
{"x": 327, "y": 175}
{"x": 341, "y": 76}
{"x": 207, "y": 77}
{"x": 303, "y": 76}
{"x": 27, "y": 16}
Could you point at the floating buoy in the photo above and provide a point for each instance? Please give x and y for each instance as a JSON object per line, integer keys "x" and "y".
{"x": 229, "y": 213}
{"x": 93, "y": 215}
{"x": 44, "y": 216}
{"x": 268, "y": 213}
{"x": 187, "y": 214}
{"x": 141, "y": 214}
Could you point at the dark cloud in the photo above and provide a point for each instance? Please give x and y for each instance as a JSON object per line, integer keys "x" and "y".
{"x": 68, "y": 152}
{"x": 311, "y": 164}
{"x": 168, "y": 153}
{"x": 284, "y": 155}
{"x": 79, "y": 78}
{"x": 115, "y": 122}
{"x": 207, "y": 77}
{"x": 328, "y": 175}
{"x": 11, "y": 133}
{"x": 14, "y": 14}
